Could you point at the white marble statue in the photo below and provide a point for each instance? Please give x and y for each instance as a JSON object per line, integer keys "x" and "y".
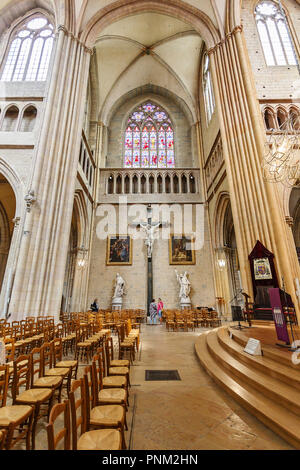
{"x": 185, "y": 287}
{"x": 119, "y": 286}
{"x": 150, "y": 231}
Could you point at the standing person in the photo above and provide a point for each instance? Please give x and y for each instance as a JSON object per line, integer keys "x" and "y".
{"x": 160, "y": 307}
{"x": 153, "y": 312}
{"x": 95, "y": 306}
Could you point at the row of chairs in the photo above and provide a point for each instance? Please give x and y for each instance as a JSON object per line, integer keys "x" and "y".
{"x": 99, "y": 411}
{"x": 109, "y": 389}
{"x": 190, "y": 319}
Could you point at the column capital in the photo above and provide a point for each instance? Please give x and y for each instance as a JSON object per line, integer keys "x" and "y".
{"x": 236, "y": 29}
{"x": 65, "y": 30}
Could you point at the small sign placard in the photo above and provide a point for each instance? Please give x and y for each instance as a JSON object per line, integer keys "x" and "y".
{"x": 253, "y": 347}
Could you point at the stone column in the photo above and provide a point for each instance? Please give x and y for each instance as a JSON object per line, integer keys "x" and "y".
{"x": 256, "y": 208}
{"x": 38, "y": 284}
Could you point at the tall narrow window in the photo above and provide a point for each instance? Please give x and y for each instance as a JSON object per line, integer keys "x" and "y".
{"x": 274, "y": 35}
{"x": 29, "y": 52}
{"x": 208, "y": 89}
{"x": 149, "y": 138}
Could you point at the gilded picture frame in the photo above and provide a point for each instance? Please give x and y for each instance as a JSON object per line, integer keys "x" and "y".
{"x": 119, "y": 250}
{"x": 181, "y": 250}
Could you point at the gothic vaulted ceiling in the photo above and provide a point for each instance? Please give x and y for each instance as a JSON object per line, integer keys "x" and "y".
{"x": 148, "y": 48}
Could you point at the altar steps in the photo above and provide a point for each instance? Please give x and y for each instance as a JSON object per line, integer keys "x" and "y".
{"x": 260, "y": 386}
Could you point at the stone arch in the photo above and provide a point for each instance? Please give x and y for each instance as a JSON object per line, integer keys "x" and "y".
{"x": 27, "y": 119}
{"x": 12, "y": 19}
{"x": 78, "y": 241}
{"x": 120, "y": 9}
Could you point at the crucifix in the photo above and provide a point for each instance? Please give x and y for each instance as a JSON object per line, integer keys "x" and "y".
{"x": 149, "y": 228}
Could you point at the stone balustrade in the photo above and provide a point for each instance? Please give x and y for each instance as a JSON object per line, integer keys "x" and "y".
{"x": 150, "y": 184}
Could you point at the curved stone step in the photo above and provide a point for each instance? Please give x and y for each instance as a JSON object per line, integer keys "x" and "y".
{"x": 262, "y": 363}
{"x": 271, "y": 352}
{"x": 271, "y": 387}
{"x": 279, "y": 419}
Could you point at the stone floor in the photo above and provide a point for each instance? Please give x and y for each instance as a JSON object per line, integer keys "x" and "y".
{"x": 191, "y": 414}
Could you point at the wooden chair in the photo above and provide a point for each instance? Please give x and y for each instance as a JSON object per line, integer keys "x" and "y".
{"x": 107, "y": 395}
{"x": 83, "y": 347}
{"x": 117, "y": 370}
{"x": 48, "y": 368}
{"x": 113, "y": 380}
{"x": 101, "y": 439}
{"x": 65, "y": 432}
{"x": 179, "y": 321}
{"x": 125, "y": 344}
{"x": 109, "y": 346}
{"x": 15, "y": 420}
{"x": 103, "y": 416}
{"x": 170, "y": 322}
{"x": 30, "y": 396}
{"x": 53, "y": 382}
{"x": 189, "y": 322}
{"x": 58, "y": 361}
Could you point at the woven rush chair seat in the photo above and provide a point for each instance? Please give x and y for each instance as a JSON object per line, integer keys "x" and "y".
{"x": 112, "y": 395}
{"x": 119, "y": 363}
{"x": 33, "y": 395}
{"x": 68, "y": 363}
{"x": 118, "y": 371}
{"x": 14, "y": 414}
{"x": 114, "y": 381}
{"x": 101, "y": 439}
{"x": 108, "y": 415}
{"x": 61, "y": 371}
{"x": 48, "y": 381}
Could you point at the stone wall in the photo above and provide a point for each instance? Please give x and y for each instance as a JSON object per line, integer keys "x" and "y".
{"x": 102, "y": 277}
{"x": 276, "y": 82}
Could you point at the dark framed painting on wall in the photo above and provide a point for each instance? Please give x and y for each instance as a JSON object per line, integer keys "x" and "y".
{"x": 119, "y": 250}
{"x": 181, "y": 249}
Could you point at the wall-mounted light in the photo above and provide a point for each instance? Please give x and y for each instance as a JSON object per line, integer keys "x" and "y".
{"x": 81, "y": 256}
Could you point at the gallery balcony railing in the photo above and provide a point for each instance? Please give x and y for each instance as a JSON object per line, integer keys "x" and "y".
{"x": 150, "y": 185}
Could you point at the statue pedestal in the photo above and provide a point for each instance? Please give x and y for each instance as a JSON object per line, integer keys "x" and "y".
{"x": 116, "y": 303}
{"x": 185, "y": 302}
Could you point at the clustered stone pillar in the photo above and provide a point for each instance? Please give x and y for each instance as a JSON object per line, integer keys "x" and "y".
{"x": 38, "y": 284}
{"x": 257, "y": 212}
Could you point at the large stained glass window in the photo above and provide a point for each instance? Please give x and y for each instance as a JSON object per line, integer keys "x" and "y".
{"x": 29, "y": 53}
{"x": 274, "y": 35}
{"x": 149, "y": 138}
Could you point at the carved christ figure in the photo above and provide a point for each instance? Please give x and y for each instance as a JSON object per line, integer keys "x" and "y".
{"x": 150, "y": 231}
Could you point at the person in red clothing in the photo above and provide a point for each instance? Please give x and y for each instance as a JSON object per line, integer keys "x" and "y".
{"x": 160, "y": 307}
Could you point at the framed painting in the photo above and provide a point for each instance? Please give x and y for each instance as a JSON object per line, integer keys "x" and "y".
{"x": 119, "y": 250}
{"x": 181, "y": 250}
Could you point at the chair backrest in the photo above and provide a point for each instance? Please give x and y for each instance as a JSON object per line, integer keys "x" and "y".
{"x": 36, "y": 364}
{"x": 10, "y": 348}
{"x": 78, "y": 410}
{"x": 4, "y": 375}
{"x": 97, "y": 370}
{"x": 64, "y": 432}
{"x": 57, "y": 350}
{"x": 102, "y": 361}
{"x": 89, "y": 399}
{"x": 109, "y": 351}
{"x": 22, "y": 374}
{"x": 46, "y": 356}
